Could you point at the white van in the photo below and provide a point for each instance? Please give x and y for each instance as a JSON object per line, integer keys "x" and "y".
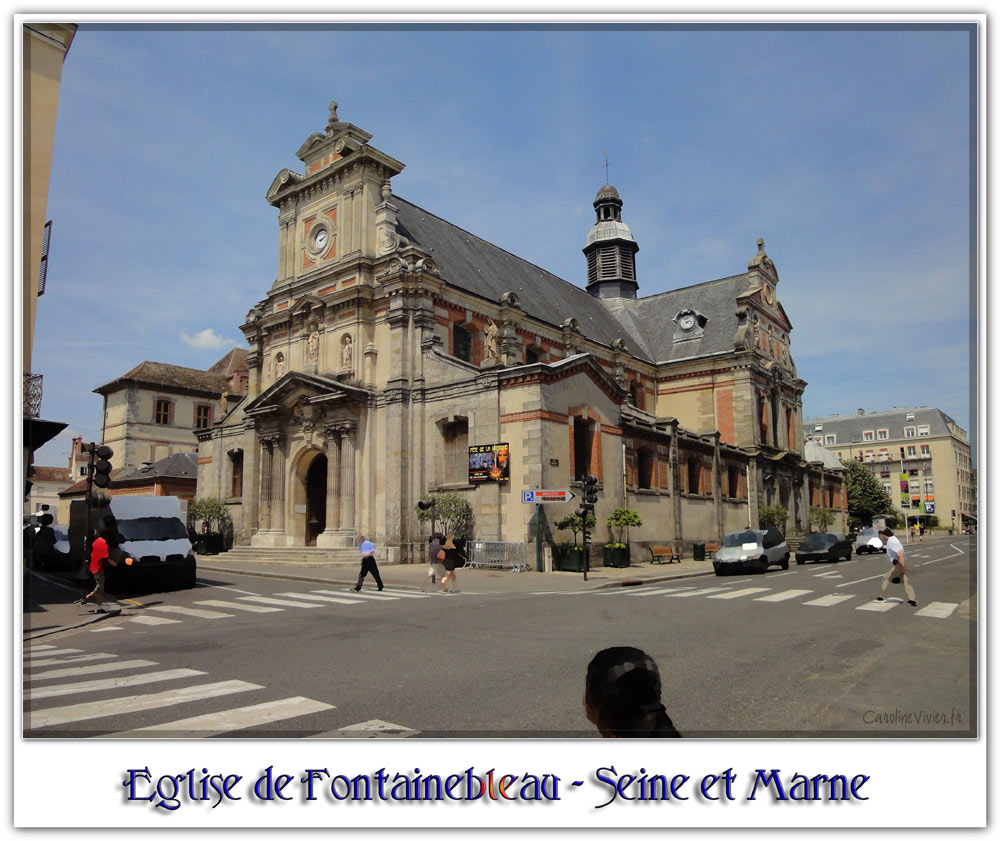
{"x": 151, "y": 531}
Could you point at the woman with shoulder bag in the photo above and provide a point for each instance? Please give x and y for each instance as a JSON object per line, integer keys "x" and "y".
{"x": 451, "y": 555}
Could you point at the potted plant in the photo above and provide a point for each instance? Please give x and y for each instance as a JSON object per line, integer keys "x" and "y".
{"x": 212, "y": 512}
{"x": 571, "y": 555}
{"x": 617, "y": 554}
{"x": 773, "y": 517}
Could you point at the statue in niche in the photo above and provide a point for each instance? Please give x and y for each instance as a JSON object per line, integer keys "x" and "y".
{"x": 313, "y": 346}
{"x": 492, "y": 331}
{"x": 223, "y": 403}
{"x": 347, "y": 353}
{"x": 279, "y": 366}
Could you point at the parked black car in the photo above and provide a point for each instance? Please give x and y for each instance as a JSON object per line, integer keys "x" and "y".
{"x": 824, "y": 546}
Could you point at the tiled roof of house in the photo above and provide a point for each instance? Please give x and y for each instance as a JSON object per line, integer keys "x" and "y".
{"x": 165, "y": 376}
{"x": 50, "y": 474}
{"x": 235, "y": 360}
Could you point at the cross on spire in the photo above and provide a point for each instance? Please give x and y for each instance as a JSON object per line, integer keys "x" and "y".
{"x": 606, "y": 165}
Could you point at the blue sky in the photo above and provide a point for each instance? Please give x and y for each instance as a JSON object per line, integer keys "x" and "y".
{"x": 848, "y": 151}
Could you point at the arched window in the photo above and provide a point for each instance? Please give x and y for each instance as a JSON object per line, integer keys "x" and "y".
{"x": 583, "y": 444}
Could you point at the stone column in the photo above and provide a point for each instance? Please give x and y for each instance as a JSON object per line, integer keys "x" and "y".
{"x": 329, "y": 537}
{"x": 348, "y": 528}
{"x": 267, "y": 462}
{"x": 278, "y": 487}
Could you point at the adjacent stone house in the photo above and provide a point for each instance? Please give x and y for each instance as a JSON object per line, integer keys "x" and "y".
{"x": 153, "y": 411}
{"x": 392, "y": 342}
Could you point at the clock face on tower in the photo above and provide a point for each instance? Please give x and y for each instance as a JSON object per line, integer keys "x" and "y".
{"x": 321, "y": 239}
{"x": 686, "y": 322}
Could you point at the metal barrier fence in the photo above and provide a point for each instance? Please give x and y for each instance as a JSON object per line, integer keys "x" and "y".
{"x": 484, "y": 554}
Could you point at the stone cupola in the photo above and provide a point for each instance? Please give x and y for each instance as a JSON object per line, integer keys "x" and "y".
{"x": 610, "y": 249}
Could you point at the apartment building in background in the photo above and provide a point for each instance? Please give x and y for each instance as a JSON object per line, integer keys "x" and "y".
{"x": 921, "y": 456}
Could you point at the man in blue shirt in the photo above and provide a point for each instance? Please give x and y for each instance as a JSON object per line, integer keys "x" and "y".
{"x": 367, "y": 549}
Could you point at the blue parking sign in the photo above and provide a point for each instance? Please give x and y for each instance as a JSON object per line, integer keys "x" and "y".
{"x": 527, "y": 496}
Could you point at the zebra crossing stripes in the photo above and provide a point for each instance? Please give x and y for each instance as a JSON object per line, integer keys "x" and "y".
{"x": 783, "y": 596}
{"x": 829, "y": 601}
{"x": 274, "y": 601}
{"x": 749, "y": 591}
{"x": 190, "y": 611}
{"x": 250, "y": 608}
{"x": 72, "y": 713}
{"x": 103, "y": 684}
{"x": 118, "y": 665}
{"x": 52, "y": 652}
{"x": 704, "y": 592}
{"x": 938, "y": 610}
{"x": 355, "y": 595}
{"x": 658, "y": 591}
{"x": 226, "y": 721}
{"x": 880, "y": 607}
{"x": 334, "y": 599}
{"x": 153, "y": 620}
{"x": 62, "y": 661}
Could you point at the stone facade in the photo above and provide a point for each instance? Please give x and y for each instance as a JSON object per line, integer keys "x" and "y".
{"x": 392, "y": 340}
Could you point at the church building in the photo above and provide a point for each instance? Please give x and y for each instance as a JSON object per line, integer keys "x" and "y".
{"x": 397, "y": 355}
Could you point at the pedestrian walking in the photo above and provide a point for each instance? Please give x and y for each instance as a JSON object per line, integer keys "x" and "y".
{"x": 435, "y": 559}
{"x": 898, "y": 572}
{"x": 367, "y": 549}
{"x": 99, "y": 558}
{"x": 622, "y": 695}
{"x": 451, "y": 556}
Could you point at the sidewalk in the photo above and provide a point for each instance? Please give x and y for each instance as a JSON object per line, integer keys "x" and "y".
{"x": 413, "y": 576}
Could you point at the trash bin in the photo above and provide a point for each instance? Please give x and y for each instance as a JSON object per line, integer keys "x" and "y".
{"x": 699, "y": 551}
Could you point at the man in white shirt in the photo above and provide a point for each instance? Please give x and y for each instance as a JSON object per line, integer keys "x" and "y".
{"x": 897, "y": 566}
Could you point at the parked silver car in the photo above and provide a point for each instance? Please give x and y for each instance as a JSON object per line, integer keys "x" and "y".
{"x": 753, "y": 549}
{"x": 868, "y": 542}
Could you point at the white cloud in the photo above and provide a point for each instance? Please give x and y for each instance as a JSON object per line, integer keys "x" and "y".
{"x": 207, "y": 339}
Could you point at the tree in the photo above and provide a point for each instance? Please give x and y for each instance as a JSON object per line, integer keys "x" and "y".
{"x": 773, "y": 517}
{"x": 822, "y": 518}
{"x": 866, "y": 498}
{"x": 621, "y": 519}
{"x": 575, "y": 523}
{"x": 451, "y": 513}
{"x": 209, "y": 508}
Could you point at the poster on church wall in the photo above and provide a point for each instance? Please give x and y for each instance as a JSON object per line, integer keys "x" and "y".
{"x": 489, "y": 463}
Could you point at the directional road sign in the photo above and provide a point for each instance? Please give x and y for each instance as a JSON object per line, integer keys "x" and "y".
{"x": 539, "y": 497}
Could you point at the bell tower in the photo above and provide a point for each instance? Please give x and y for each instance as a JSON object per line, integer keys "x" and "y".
{"x": 610, "y": 250}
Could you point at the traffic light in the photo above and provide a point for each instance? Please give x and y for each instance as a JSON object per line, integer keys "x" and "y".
{"x": 590, "y": 490}
{"x": 99, "y": 500}
{"x": 102, "y": 467}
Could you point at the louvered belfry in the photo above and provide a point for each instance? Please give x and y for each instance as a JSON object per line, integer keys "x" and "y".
{"x": 610, "y": 250}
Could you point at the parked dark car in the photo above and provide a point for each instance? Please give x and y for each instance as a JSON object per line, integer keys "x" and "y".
{"x": 824, "y": 546}
{"x": 868, "y": 542}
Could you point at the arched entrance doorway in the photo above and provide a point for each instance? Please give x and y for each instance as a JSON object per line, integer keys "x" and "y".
{"x": 315, "y": 498}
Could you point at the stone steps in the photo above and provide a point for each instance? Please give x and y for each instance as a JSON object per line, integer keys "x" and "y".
{"x": 347, "y": 556}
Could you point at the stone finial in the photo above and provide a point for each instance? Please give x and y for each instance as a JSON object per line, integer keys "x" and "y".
{"x": 760, "y": 246}
{"x": 386, "y": 190}
{"x": 333, "y": 117}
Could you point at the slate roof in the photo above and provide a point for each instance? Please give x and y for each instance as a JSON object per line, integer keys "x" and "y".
{"x": 478, "y": 266}
{"x": 849, "y": 428}
{"x": 650, "y": 320}
{"x": 176, "y": 466}
{"x": 162, "y": 375}
{"x": 645, "y": 324}
{"x": 814, "y": 452}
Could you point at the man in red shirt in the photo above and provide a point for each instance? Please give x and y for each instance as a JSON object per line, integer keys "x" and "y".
{"x": 98, "y": 558}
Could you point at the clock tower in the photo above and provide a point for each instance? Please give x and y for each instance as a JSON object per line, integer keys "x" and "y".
{"x": 610, "y": 250}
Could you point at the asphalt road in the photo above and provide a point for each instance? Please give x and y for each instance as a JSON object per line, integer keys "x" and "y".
{"x": 786, "y": 654}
